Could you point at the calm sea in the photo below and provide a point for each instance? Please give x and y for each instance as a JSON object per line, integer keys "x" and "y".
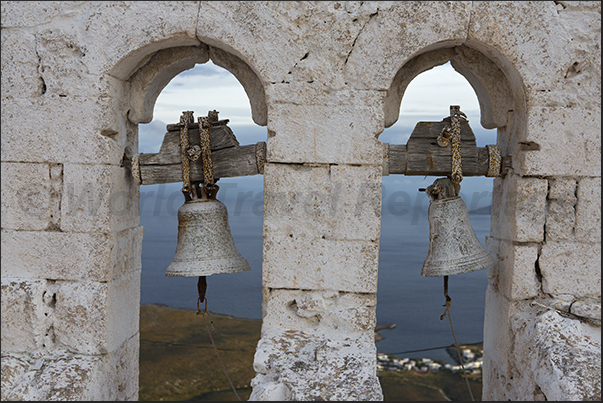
{"x": 404, "y": 298}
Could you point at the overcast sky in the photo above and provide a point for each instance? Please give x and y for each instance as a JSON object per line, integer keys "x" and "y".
{"x": 207, "y": 87}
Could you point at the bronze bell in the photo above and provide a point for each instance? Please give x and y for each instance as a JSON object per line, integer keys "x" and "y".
{"x": 205, "y": 244}
{"x": 453, "y": 245}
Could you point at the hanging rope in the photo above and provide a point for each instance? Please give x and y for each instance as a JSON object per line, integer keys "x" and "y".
{"x": 209, "y": 189}
{"x": 458, "y": 349}
{"x": 452, "y": 134}
{"x": 185, "y": 120}
{"x": 209, "y": 324}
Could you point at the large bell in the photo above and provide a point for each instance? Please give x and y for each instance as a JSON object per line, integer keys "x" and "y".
{"x": 205, "y": 244}
{"x": 453, "y": 245}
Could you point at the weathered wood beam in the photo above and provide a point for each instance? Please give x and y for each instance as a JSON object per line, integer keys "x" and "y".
{"x": 442, "y": 165}
{"x": 227, "y": 162}
{"x": 420, "y": 156}
{"x": 229, "y": 158}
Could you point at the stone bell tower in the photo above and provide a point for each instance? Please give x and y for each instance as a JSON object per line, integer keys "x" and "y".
{"x": 325, "y": 79}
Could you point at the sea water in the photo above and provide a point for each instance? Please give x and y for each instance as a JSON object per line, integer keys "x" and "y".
{"x": 406, "y": 299}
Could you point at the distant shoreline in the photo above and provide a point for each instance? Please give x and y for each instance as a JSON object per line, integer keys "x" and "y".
{"x": 378, "y": 328}
{"x": 194, "y": 310}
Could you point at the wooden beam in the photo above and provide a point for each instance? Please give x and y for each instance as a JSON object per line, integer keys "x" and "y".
{"x": 442, "y": 165}
{"x": 227, "y": 162}
{"x": 229, "y": 158}
{"x": 420, "y": 156}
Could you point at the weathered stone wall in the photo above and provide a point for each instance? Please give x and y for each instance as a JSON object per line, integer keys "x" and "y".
{"x": 325, "y": 78}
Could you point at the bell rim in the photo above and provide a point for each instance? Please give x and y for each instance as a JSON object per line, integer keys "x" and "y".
{"x": 482, "y": 260}
{"x": 191, "y": 268}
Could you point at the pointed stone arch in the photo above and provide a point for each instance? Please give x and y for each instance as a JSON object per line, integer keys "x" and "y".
{"x": 497, "y": 84}
{"x": 159, "y": 67}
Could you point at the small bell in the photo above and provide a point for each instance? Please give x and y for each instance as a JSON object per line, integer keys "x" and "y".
{"x": 205, "y": 244}
{"x": 453, "y": 245}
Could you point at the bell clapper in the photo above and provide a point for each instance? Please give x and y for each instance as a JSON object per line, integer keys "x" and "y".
{"x": 202, "y": 288}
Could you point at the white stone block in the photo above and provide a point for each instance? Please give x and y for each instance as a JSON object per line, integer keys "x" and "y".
{"x": 108, "y": 32}
{"x": 24, "y": 314}
{"x": 295, "y": 209}
{"x": 59, "y": 130}
{"x": 98, "y": 198}
{"x": 518, "y": 208}
{"x": 67, "y": 376}
{"x": 19, "y": 14}
{"x": 62, "y": 68}
{"x": 338, "y": 201}
{"x": 314, "y": 263}
{"x": 338, "y": 128}
{"x": 236, "y": 27}
{"x": 560, "y": 222}
{"x": 30, "y": 197}
{"x": 577, "y": 83}
{"x": 564, "y": 68}
{"x": 514, "y": 273}
{"x": 561, "y": 213}
{"x": 514, "y": 29}
{"x": 562, "y": 190}
{"x": 571, "y": 268}
{"x": 560, "y": 354}
{"x": 384, "y": 43}
{"x": 497, "y": 345}
{"x": 312, "y": 366}
{"x": 588, "y": 210}
{"x": 126, "y": 252}
{"x": 338, "y": 314}
{"x": 96, "y": 318}
{"x": 357, "y": 202}
{"x": 569, "y": 142}
{"x": 71, "y": 256}
{"x": 20, "y": 77}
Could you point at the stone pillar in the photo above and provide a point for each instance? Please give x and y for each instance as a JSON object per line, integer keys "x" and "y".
{"x": 542, "y": 335}
{"x": 322, "y": 209}
{"x": 542, "y": 329}
{"x": 71, "y": 238}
